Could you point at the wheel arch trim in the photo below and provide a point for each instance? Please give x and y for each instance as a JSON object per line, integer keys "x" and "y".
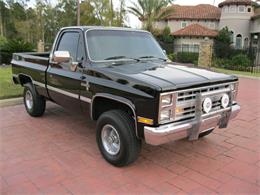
{"x": 119, "y": 99}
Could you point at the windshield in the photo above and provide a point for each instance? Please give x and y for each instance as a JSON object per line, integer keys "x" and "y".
{"x": 118, "y": 44}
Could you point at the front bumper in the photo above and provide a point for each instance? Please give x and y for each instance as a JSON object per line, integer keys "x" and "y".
{"x": 175, "y": 131}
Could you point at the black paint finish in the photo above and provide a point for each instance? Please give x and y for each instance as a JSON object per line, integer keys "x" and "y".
{"x": 139, "y": 82}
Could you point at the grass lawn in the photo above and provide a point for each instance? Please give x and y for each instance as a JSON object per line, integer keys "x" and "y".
{"x": 7, "y": 88}
{"x": 236, "y": 72}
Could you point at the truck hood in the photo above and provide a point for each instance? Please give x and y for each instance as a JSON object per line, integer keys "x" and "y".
{"x": 167, "y": 76}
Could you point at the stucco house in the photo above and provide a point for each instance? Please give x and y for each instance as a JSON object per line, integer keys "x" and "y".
{"x": 191, "y": 25}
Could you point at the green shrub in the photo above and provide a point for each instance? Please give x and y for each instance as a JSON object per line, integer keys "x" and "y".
{"x": 221, "y": 63}
{"x": 172, "y": 56}
{"x": 237, "y": 62}
{"x": 187, "y": 57}
{"x": 13, "y": 46}
{"x": 241, "y": 60}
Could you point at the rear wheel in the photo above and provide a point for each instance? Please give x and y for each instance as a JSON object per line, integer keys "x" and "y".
{"x": 116, "y": 138}
{"x": 34, "y": 103}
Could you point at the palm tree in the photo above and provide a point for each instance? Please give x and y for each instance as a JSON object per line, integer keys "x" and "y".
{"x": 150, "y": 11}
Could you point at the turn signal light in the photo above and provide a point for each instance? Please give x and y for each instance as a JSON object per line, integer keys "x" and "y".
{"x": 145, "y": 120}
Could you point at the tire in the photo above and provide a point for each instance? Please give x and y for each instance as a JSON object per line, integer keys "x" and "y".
{"x": 201, "y": 135}
{"x": 33, "y": 102}
{"x": 121, "y": 126}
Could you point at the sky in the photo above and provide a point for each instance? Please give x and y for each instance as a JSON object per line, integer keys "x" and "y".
{"x": 133, "y": 20}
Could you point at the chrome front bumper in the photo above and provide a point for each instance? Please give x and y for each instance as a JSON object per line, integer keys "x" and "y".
{"x": 171, "y": 132}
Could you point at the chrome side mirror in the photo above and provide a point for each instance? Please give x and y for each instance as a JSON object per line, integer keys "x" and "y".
{"x": 164, "y": 51}
{"x": 61, "y": 57}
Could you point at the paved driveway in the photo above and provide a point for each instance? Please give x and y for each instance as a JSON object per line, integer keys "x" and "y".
{"x": 57, "y": 154}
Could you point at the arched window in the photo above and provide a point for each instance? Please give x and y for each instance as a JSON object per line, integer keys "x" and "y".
{"x": 246, "y": 41}
{"x": 231, "y": 36}
{"x": 239, "y": 41}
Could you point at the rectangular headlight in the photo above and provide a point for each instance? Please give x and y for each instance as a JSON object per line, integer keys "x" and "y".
{"x": 234, "y": 90}
{"x": 166, "y": 100}
{"x": 165, "y": 115}
{"x": 167, "y": 107}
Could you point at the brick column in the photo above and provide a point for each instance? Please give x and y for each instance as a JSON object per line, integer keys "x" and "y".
{"x": 205, "y": 53}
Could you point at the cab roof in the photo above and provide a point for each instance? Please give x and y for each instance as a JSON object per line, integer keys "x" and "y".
{"x": 85, "y": 28}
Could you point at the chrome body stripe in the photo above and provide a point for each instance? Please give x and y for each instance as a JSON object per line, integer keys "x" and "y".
{"x": 73, "y": 95}
{"x": 85, "y": 99}
{"x": 39, "y": 84}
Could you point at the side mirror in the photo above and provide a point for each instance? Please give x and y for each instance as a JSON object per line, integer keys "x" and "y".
{"x": 61, "y": 56}
{"x": 164, "y": 51}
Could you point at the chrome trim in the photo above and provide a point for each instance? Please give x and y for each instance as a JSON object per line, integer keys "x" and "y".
{"x": 175, "y": 131}
{"x": 210, "y": 93}
{"x": 116, "y": 98}
{"x": 192, "y": 102}
{"x": 76, "y": 96}
{"x": 39, "y": 84}
{"x": 204, "y": 87}
{"x": 73, "y": 95}
{"x": 85, "y": 99}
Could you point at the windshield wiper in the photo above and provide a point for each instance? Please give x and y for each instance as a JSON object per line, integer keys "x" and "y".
{"x": 121, "y": 57}
{"x": 146, "y": 57}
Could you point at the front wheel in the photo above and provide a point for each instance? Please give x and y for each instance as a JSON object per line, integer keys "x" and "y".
{"x": 116, "y": 138}
{"x": 33, "y": 102}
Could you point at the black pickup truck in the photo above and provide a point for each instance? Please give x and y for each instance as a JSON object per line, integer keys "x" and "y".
{"x": 122, "y": 78}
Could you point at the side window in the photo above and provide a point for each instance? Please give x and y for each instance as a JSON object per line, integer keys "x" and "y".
{"x": 81, "y": 50}
{"x": 69, "y": 42}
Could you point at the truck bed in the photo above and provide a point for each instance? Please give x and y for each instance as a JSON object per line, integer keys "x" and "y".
{"x": 31, "y": 65}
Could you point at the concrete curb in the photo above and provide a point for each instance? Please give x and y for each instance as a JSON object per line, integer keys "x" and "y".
{"x": 11, "y": 102}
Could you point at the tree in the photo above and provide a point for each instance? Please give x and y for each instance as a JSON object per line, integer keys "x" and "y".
{"x": 222, "y": 45}
{"x": 87, "y": 14}
{"x": 150, "y": 11}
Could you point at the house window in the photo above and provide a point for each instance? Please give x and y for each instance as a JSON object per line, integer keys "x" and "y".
{"x": 239, "y": 41}
{"x": 249, "y": 9}
{"x": 185, "y": 47}
{"x": 225, "y": 9}
{"x": 196, "y": 48}
{"x": 231, "y": 36}
{"x": 212, "y": 25}
{"x": 241, "y": 8}
{"x": 184, "y": 24}
{"x": 232, "y": 9}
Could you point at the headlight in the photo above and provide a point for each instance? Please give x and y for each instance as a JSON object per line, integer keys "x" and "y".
{"x": 167, "y": 107}
{"x": 234, "y": 90}
{"x": 165, "y": 115}
{"x": 225, "y": 100}
{"x": 166, "y": 100}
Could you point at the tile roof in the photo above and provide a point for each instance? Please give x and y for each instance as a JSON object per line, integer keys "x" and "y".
{"x": 201, "y": 11}
{"x": 235, "y": 2}
{"x": 195, "y": 30}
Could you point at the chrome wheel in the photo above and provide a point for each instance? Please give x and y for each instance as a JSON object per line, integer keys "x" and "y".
{"x": 110, "y": 139}
{"x": 29, "y": 99}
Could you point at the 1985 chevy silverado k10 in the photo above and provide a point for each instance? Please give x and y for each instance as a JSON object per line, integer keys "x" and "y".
{"x": 122, "y": 78}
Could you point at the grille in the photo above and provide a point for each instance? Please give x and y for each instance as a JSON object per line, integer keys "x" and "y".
{"x": 186, "y": 100}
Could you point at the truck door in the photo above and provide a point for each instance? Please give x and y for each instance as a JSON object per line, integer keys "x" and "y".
{"x": 63, "y": 82}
